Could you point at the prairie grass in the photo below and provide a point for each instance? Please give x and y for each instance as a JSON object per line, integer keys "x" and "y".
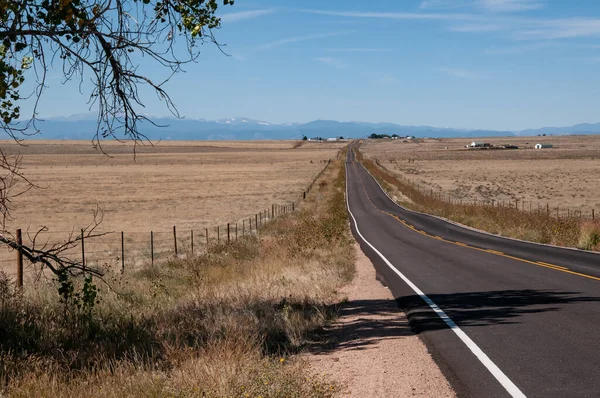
{"x": 535, "y": 226}
{"x": 226, "y": 323}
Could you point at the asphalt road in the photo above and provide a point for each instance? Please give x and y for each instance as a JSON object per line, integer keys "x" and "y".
{"x": 500, "y": 317}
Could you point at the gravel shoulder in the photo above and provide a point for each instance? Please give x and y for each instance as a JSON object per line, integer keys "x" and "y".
{"x": 371, "y": 349}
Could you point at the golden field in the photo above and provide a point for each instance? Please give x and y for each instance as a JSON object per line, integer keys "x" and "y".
{"x": 193, "y": 185}
{"x": 567, "y": 175}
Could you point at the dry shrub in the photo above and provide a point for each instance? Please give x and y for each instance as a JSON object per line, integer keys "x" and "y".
{"x": 216, "y": 325}
{"x": 589, "y": 238}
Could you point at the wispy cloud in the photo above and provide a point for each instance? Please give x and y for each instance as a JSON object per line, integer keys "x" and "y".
{"x": 499, "y": 6}
{"x": 519, "y": 49}
{"x": 477, "y": 28}
{"x": 561, "y": 29}
{"x": 510, "y": 5}
{"x": 360, "y": 50}
{"x": 333, "y": 62}
{"x": 240, "y": 16}
{"x": 396, "y": 15}
{"x": 298, "y": 39}
{"x": 461, "y": 73}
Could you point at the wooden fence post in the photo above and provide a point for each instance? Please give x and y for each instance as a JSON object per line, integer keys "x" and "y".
{"x": 122, "y": 252}
{"x": 218, "y": 236}
{"x": 82, "y": 250}
{"x": 256, "y": 222}
{"x": 243, "y": 228}
{"x": 236, "y": 234}
{"x": 593, "y": 214}
{"x": 228, "y": 237}
{"x": 175, "y": 239}
{"x": 152, "y": 247}
{"x": 192, "y": 241}
{"x": 272, "y": 211}
{"x": 293, "y": 206}
{"x": 19, "y": 260}
{"x": 206, "y": 239}
{"x": 304, "y": 195}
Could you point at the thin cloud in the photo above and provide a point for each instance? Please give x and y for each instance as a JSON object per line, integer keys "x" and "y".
{"x": 333, "y": 62}
{"x": 510, "y": 5}
{"x": 242, "y": 15}
{"x": 561, "y": 29}
{"x": 298, "y": 39}
{"x": 519, "y": 49}
{"x": 395, "y": 15}
{"x": 498, "y": 6}
{"x": 460, "y": 73}
{"x": 477, "y": 28}
{"x": 360, "y": 50}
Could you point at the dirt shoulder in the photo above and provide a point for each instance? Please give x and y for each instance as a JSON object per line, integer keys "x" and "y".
{"x": 371, "y": 348}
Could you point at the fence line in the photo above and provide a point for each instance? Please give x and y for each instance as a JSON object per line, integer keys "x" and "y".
{"x": 523, "y": 205}
{"x": 128, "y": 250}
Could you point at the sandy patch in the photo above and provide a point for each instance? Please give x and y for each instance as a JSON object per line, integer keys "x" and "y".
{"x": 371, "y": 348}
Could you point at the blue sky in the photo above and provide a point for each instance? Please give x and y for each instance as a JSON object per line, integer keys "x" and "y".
{"x": 494, "y": 64}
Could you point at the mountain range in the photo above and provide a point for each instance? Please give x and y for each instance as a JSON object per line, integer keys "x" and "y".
{"x": 83, "y": 126}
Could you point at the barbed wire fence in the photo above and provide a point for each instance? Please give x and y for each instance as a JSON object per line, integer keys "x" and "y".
{"x": 518, "y": 204}
{"x": 122, "y": 251}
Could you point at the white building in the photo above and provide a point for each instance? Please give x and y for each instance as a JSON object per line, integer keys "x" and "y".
{"x": 543, "y": 146}
{"x": 479, "y": 144}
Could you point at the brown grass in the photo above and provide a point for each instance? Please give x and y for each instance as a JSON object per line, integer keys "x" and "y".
{"x": 536, "y": 226}
{"x": 566, "y": 176}
{"x": 226, "y": 323}
{"x": 194, "y": 185}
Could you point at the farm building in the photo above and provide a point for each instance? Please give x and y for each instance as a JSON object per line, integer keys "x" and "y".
{"x": 478, "y": 144}
{"x": 543, "y": 146}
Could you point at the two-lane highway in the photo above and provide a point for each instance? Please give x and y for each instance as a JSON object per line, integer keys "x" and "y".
{"x": 501, "y": 317}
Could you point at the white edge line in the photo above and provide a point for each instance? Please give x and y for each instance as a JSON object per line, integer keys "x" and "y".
{"x": 471, "y": 228}
{"x": 508, "y": 385}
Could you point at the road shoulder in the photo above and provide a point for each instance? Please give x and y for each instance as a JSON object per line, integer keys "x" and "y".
{"x": 371, "y": 348}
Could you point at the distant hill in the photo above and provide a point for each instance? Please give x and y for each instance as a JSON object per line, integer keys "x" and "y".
{"x": 83, "y": 126}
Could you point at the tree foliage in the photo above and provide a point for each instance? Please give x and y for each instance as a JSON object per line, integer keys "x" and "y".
{"x": 105, "y": 41}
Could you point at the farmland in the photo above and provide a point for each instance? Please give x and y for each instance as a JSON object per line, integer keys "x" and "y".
{"x": 566, "y": 176}
{"x": 194, "y": 185}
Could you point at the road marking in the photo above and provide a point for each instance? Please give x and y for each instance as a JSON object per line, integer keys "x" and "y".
{"x": 539, "y": 264}
{"x": 461, "y": 244}
{"x": 508, "y": 385}
{"x": 551, "y": 265}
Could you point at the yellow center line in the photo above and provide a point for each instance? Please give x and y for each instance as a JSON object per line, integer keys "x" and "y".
{"x": 551, "y": 265}
{"x": 495, "y": 252}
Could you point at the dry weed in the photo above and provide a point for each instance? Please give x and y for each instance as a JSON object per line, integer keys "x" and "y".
{"x": 225, "y": 323}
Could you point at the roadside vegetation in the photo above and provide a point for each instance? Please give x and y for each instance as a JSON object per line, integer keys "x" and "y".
{"x": 224, "y": 324}
{"x": 535, "y": 226}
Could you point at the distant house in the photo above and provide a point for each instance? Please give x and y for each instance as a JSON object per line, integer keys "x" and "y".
{"x": 543, "y": 146}
{"x": 480, "y": 144}
{"x": 332, "y": 139}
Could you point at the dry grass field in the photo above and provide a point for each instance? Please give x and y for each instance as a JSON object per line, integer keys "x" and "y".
{"x": 223, "y": 323}
{"x": 567, "y": 176}
{"x": 194, "y": 185}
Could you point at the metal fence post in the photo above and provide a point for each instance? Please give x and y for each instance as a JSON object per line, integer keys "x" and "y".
{"x": 228, "y": 237}
{"x": 175, "y": 239}
{"x": 192, "y": 241}
{"x": 152, "y": 247}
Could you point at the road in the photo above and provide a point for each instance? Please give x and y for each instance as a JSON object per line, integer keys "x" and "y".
{"x": 500, "y": 317}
